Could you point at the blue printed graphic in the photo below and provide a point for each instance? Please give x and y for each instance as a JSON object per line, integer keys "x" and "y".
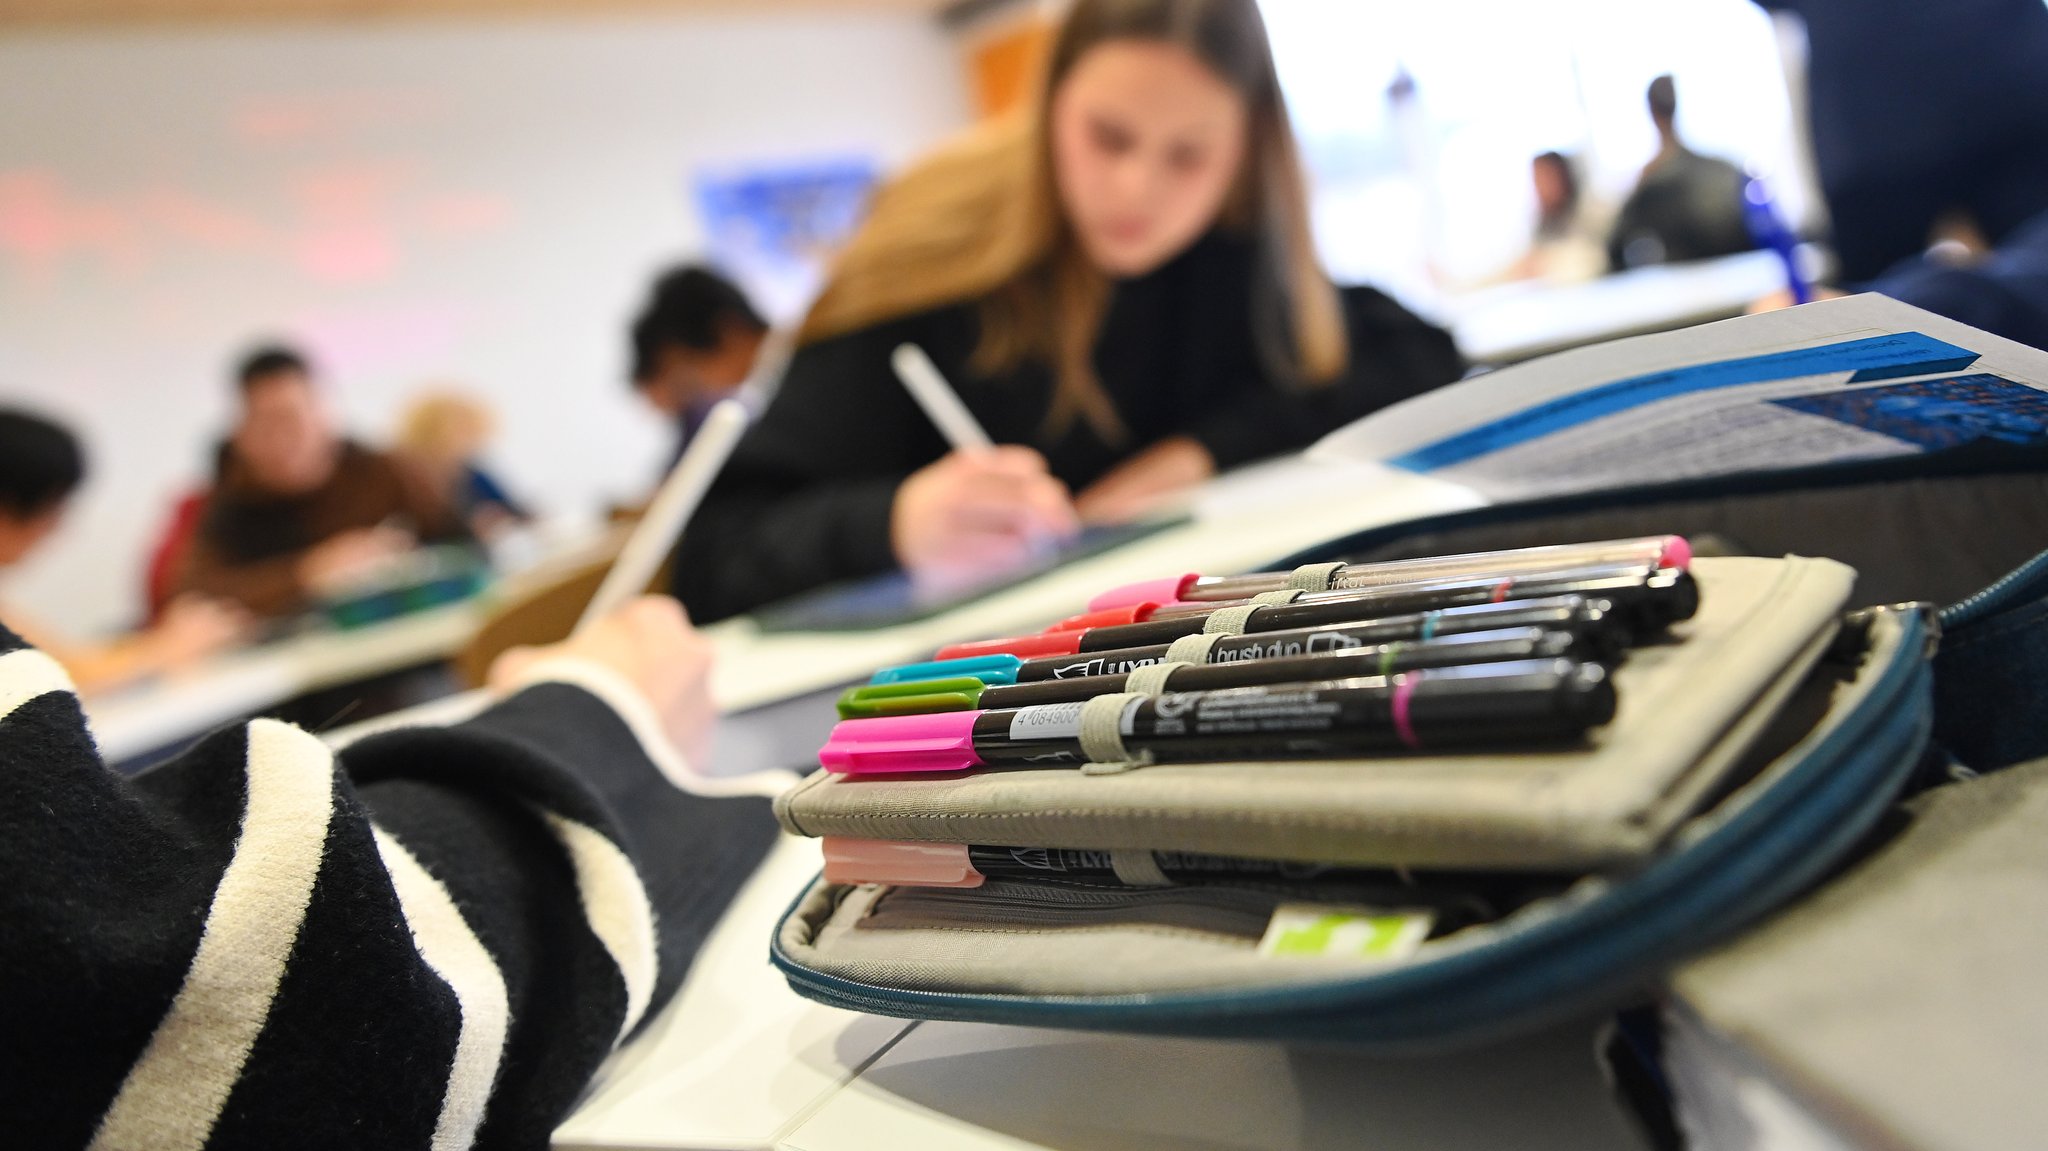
{"x": 1872, "y": 358}
{"x": 1937, "y": 414}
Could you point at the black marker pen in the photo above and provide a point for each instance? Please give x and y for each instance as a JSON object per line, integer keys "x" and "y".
{"x": 1478, "y": 704}
{"x": 1647, "y": 601}
{"x": 1299, "y": 657}
{"x": 1649, "y": 551}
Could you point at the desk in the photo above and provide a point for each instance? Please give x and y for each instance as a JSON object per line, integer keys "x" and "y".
{"x": 155, "y": 714}
{"x": 971, "y": 1087}
{"x": 152, "y": 715}
{"x": 1512, "y": 322}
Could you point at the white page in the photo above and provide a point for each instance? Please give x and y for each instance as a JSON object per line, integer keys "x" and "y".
{"x": 1828, "y": 383}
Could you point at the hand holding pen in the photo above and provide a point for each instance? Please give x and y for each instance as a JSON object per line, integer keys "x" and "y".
{"x": 981, "y": 508}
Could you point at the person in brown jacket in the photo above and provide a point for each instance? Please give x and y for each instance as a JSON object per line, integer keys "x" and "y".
{"x": 297, "y": 510}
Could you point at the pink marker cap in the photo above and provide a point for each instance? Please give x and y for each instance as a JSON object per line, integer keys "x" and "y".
{"x": 901, "y": 744}
{"x": 891, "y": 861}
{"x": 1154, "y": 590}
{"x": 1677, "y": 553}
{"x": 1106, "y": 617}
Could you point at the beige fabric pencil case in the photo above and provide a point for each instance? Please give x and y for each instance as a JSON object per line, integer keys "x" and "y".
{"x": 1689, "y": 707}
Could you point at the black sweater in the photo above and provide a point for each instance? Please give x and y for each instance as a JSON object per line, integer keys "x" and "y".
{"x": 807, "y": 496}
{"x": 430, "y": 940}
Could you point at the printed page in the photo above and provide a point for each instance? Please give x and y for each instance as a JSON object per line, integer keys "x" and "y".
{"x": 1838, "y": 382}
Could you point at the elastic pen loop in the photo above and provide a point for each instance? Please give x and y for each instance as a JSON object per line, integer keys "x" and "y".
{"x": 1151, "y": 679}
{"x": 1314, "y": 577}
{"x": 1102, "y": 737}
{"x": 1229, "y": 620}
{"x": 1192, "y": 648}
{"x": 1138, "y": 869}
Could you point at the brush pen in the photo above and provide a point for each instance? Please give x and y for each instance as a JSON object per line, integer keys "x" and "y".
{"x": 1503, "y": 704}
{"x": 959, "y": 693}
{"x": 1647, "y": 601}
{"x": 1059, "y": 656}
{"x": 1650, "y": 551}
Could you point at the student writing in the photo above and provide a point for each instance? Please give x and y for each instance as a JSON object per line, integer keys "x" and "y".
{"x": 1123, "y": 287}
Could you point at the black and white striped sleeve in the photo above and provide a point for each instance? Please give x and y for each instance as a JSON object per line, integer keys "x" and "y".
{"x": 429, "y": 940}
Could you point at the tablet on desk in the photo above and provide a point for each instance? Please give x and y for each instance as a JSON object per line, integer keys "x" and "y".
{"x": 893, "y": 599}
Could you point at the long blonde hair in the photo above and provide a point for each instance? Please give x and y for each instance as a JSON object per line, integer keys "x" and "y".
{"x": 981, "y": 221}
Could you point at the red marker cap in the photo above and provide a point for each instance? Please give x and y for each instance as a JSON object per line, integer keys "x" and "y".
{"x": 1021, "y": 646}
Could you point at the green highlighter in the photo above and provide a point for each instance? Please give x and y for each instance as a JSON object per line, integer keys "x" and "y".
{"x": 917, "y": 697}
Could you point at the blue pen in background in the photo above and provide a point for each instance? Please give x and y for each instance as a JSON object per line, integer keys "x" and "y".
{"x": 1769, "y": 230}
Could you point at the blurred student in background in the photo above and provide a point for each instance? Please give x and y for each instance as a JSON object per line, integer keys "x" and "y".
{"x": 1122, "y": 286}
{"x": 1570, "y": 239}
{"x": 441, "y": 435}
{"x": 296, "y": 509}
{"x": 1686, "y": 206}
{"x": 41, "y": 465}
{"x": 698, "y": 340}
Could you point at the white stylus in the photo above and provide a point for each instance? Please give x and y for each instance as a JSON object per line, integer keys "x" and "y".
{"x": 940, "y": 402}
{"x": 671, "y": 508}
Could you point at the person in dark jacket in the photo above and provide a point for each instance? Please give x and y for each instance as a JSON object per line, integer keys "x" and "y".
{"x": 1686, "y": 206}
{"x": 1123, "y": 289}
{"x": 697, "y": 340}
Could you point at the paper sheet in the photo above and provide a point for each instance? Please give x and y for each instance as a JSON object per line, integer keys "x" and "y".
{"x": 1837, "y": 382}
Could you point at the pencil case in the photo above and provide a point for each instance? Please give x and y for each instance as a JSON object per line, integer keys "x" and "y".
{"x": 1708, "y": 800}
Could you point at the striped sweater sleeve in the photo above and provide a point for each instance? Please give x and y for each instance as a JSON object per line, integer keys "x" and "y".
{"x": 429, "y": 940}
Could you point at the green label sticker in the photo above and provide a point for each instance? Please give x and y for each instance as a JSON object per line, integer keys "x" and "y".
{"x": 1360, "y": 933}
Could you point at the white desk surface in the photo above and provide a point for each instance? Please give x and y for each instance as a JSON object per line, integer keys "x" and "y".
{"x": 736, "y": 1058}
{"x": 976, "y": 1087}
{"x": 1513, "y": 322}
{"x": 151, "y": 715}
{"x": 154, "y": 714}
